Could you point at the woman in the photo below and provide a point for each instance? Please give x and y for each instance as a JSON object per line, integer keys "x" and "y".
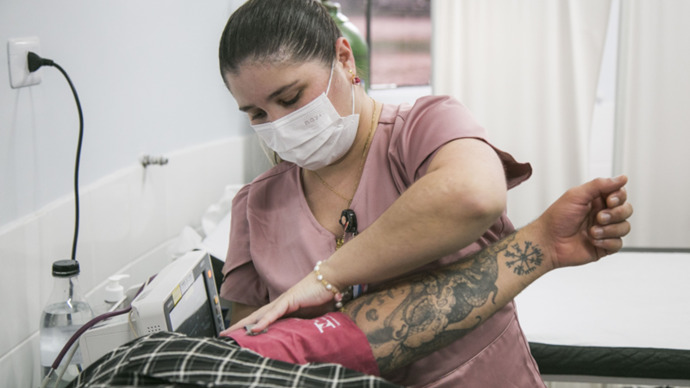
{"x": 419, "y": 186}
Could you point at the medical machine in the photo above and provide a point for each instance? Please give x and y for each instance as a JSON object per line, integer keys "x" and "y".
{"x": 181, "y": 298}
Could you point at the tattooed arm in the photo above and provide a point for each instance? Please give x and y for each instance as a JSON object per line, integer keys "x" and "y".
{"x": 421, "y": 314}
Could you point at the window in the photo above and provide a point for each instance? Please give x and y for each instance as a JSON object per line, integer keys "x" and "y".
{"x": 399, "y": 39}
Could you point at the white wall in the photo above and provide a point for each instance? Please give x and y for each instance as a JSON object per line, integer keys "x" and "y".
{"x": 148, "y": 80}
{"x": 146, "y": 74}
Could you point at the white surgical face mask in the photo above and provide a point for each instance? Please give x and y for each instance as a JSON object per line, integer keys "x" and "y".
{"x": 314, "y": 135}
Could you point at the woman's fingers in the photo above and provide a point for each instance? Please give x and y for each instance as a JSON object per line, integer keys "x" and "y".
{"x": 268, "y": 318}
{"x": 243, "y": 322}
{"x": 254, "y": 318}
{"x": 306, "y": 294}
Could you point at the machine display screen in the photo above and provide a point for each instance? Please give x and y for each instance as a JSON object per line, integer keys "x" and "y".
{"x": 192, "y": 315}
{"x": 189, "y": 309}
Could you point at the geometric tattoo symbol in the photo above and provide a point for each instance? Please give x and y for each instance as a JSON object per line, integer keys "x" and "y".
{"x": 527, "y": 260}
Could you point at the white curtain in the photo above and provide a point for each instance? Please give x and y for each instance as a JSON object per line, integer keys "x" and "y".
{"x": 653, "y": 120}
{"x": 528, "y": 70}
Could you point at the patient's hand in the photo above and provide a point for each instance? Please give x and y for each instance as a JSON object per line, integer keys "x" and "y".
{"x": 587, "y": 222}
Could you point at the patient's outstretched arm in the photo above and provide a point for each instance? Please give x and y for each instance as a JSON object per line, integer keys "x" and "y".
{"x": 421, "y": 314}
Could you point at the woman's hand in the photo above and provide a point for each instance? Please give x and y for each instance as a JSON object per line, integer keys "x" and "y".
{"x": 308, "y": 298}
{"x": 588, "y": 221}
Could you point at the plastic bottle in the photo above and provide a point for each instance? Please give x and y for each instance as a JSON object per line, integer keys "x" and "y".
{"x": 114, "y": 292}
{"x": 65, "y": 312}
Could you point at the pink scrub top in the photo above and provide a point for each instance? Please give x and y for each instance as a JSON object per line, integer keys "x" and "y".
{"x": 275, "y": 241}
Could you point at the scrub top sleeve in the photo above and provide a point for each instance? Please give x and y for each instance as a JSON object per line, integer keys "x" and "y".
{"x": 241, "y": 281}
{"x": 433, "y": 122}
{"x": 516, "y": 172}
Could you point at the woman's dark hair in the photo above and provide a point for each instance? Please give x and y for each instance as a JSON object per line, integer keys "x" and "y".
{"x": 293, "y": 30}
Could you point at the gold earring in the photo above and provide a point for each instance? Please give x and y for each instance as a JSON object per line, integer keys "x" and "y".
{"x": 355, "y": 80}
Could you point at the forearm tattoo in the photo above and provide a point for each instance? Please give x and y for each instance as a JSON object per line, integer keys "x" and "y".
{"x": 526, "y": 260}
{"x": 421, "y": 314}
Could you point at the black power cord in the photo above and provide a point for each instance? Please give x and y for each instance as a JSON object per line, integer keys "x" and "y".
{"x": 35, "y": 62}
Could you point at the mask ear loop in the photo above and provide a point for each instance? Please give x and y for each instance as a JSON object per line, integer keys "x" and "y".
{"x": 354, "y": 81}
{"x": 352, "y": 88}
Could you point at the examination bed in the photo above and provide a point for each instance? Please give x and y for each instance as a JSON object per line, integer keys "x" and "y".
{"x": 625, "y": 319}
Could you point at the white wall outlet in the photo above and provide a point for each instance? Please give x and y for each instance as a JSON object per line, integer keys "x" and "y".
{"x": 17, "y": 50}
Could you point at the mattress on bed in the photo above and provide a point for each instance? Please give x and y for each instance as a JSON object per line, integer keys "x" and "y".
{"x": 626, "y": 316}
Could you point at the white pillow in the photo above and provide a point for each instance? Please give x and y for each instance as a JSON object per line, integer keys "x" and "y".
{"x": 216, "y": 224}
{"x": 216, "y": 243}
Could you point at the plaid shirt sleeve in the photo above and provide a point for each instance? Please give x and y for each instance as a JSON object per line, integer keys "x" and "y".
{"x": 166, "y": 359}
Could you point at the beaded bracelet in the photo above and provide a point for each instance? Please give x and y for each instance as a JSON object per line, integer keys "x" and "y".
{"x": 337, "y": 295}
{"x": 323, "y": 281}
